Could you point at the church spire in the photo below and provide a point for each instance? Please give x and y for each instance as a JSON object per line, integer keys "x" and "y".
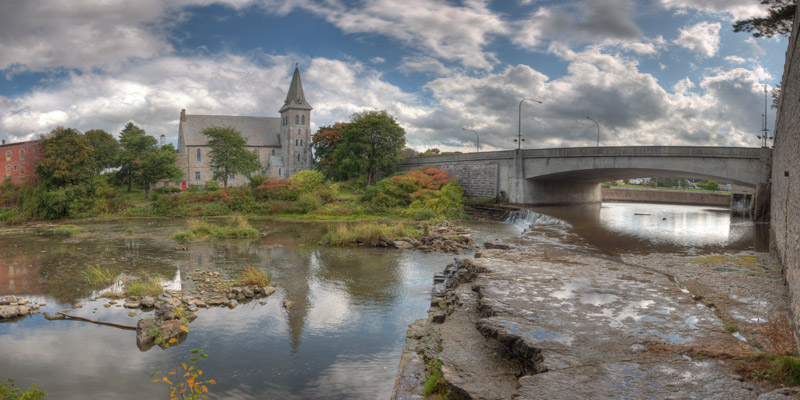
{"x": 295, "y": 99}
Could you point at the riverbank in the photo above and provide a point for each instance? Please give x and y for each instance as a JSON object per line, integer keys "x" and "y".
{"x": 640, "y": 195}
{"x": 526, "y": 321}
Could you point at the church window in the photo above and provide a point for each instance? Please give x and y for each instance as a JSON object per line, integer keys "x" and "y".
{"x": 280, "y": 171}
{"x": 22, "y": 154}
{"x": 273, "y": 152}
{"x": 197, "y": 175}
{"x": 295, "y": 142}
{"x": 303, "y": 120}
{"x": 297, "y": 120}
{"x": 301, "y": 142}
{"x": 199, "y": 156}
{"x": 298, "y": 156}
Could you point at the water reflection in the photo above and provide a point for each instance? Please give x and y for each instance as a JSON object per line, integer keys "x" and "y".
{"x": 617, "y": 228}
{"x": 341, "y": 338}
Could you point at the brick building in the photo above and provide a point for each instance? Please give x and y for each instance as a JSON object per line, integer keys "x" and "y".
{"x": 18, "y": 161}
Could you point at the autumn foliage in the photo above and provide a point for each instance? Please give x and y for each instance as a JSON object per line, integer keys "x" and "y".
{"x": 425, "y": 192}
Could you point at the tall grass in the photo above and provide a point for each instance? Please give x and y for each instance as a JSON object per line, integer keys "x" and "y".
{"x": 369, "y": 233}
{"x": 96, "y": 275}
{"x": 200, "y": 228}
{"x": 146, "y": 286}
{"x": 252, "y": 276}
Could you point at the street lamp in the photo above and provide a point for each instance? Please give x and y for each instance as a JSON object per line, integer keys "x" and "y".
{"x": 598, "y": 130}
{"x": 519, "y": 134}
{"x": 477, "y": 139}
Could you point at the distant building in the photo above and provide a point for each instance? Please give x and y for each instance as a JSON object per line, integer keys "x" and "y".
{"x": 282, "y": 143}
{"x": 18, "y": 161}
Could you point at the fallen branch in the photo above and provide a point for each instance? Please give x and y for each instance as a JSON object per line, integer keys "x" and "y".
{"x": 76, "y": 318}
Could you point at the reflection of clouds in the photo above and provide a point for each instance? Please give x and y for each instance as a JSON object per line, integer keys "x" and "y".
{"x": 72, "y": 360}
{"x": 684, "y": 225}
{"x": 330, "y": 307}
{"x": 360, "y": 376}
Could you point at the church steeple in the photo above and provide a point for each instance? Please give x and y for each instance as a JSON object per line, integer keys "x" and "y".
{"x": 295, "y": 99}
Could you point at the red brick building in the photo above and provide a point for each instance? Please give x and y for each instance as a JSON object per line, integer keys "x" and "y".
{"x": 18, "y": 161}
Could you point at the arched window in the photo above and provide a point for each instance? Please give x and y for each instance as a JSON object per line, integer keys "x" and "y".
{"x": 303, "y": 120}
{"x": 301, "y": 142}
{"x": 295, "y": 142}
{"x": 273, "y": 152}
{"x": 199, "y": 156}
{"x": 298, "y": 156}
{"x": 297, "y": 120}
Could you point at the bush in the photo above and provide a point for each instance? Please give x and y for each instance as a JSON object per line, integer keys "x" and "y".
{"x": 278, "y": 189}
{"x": 425, "y": 193}
{"x": 256, "y": 181}
{"x": 212, "y": 186}
{"x": 305, "y": 203}
{"x": 308, "y": 180}
{"x": 8, "y": 391}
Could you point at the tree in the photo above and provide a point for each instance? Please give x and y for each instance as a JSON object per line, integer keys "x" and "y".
{"x": 323, "y": 143}
{"x": 371, "y": 142}
{"x": 778, "y": 21}
{"x": 228, "y": 153}
{"x": 66, "y": 159}
{"x": 158, "y": 164}
{"x": 106, "y": 149}
{"x": 711, "y": 185}
{"x": 408, "y": 152}
{"x": 135, "y": 143}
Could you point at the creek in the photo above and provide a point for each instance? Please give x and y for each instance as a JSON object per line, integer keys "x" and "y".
{"x": 342, "y": 337}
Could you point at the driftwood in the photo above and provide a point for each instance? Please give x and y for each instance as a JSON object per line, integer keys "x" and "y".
{"x": 76, "y": 318}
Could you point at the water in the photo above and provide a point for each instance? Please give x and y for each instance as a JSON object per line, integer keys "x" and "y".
{"x": 342, "y": 338}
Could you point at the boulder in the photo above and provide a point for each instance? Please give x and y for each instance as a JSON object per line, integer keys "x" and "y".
{"x": 268, "y": 290}
{"x": 173, "y": 301}
{"x": 9, "y": 312}
{"x": 148, "y": 302}
{"x": 247, "y": 293}
{"x": 217, "y": 301}
{"x": 166, "y": 312}
{"x": 493, "y": 245}
{"x": 6, "y": 300}
{"x": 287, "y": 303}
{"x": 146, "y": 332}
{"x": 402, "y": 244}
{"x": 132, "y": 304}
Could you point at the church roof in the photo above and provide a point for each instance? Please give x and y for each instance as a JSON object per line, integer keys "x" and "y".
{"x": 296, "y": 99}
{"x": 258, "y": 131}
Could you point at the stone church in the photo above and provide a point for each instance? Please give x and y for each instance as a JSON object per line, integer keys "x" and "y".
{"x": 282, "y": 143}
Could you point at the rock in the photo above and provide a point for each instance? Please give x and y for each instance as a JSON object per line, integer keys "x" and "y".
{"x": 22, "y": 310}
{"x": 233, "y": 304}
{"x": 23, "y": 302}
{"x": 200, "y": 303}
{"x": 148, "y": 302}
{"x": 268, "y": 290}
{"x": 492, "y": 245}
{"x": 190, "y": 316}
{"x": 42, "y": 304}
{"x": 402, "y": 244}
{"x": 175, "y": 302}
{"x": 35, "y": 307}
{"x": 231, "y": 295}
{"x": 132, "y": 304}
{"x": 53, "y": 317}
{"x": 107, "y": 305}
{"x": 247, "y": 293}
{"x": 8, "y": 312}
{"x": 287, "y": 303}
{"x": 146, "y": 332}
{"x": 166, "y": 312}
{"x": 217, "y": 301}
{"x": 263, "y": 303}
{"x": 6, "y": 300}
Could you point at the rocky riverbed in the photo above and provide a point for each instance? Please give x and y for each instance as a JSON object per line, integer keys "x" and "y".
{"x": 519, "y": 321}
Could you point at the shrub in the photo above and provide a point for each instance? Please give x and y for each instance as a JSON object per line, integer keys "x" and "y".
{"x": 212, "y": 186}
{"x": 278, "y": 189}
{"x": 425, "y": 193}
{"x": 256, "y": 181}
{"x": 308, "y": 180}
{"x": 369, "y": 233}
{"x": 252, "y": 276}
{"x": 305, "y": 203}
{"x": 8, "y": 391}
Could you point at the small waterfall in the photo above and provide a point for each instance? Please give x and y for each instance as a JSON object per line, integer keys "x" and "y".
{"x": 527, "y": 218}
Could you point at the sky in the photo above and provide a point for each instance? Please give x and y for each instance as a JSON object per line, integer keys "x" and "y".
{"x": 650, "y": 72}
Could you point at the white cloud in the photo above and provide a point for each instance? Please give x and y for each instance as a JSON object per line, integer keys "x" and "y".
{"x": 701, "y": 38}
{"x": 738, "y": 9}
{"x": 596, "y": 21}
{"x": 422, "y": 64}
{"x": 753, "y": 44}
{"x": 377, "y": 60}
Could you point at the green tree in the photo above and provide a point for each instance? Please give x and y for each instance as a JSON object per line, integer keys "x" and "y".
{"x": 106, "y": 149}
{"x": 370, "y": 143}
{"x": 135, "y": 143}
{"x": 324, "y": 143}
{"x": 777, "y": 22}
{"x": 228, "y": 153}
{"x": 66, "y": 159}
{"x": 156, "y": 165}
{"x": 711, "y": 185}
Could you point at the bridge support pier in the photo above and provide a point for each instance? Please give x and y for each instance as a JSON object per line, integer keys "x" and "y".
{"x": 548, "y": 193}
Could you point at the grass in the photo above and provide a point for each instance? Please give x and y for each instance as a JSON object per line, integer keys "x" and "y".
{"x": 252, "y": 276}
{"x": 730, "y": 327}
{"x": 369, "y": 233}
{"x": 435, "y": 385}
{"x": 95, "y": 275}
{"x": 775, "y": 368}
{"x": 65, "y": 229}
{"x": 240, "y": 229}
{"x": 147, "y": 286}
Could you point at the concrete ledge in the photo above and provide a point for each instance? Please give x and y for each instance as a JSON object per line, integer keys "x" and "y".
{"x": 665, "y": 196}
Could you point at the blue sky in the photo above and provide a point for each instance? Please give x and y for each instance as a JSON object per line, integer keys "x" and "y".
{"x": 651, "y": 72}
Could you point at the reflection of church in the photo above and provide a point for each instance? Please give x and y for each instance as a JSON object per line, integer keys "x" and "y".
{"x": 18, "y": 278}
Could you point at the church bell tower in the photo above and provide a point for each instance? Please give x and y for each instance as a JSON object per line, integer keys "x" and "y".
{"x": 295, "y": 128}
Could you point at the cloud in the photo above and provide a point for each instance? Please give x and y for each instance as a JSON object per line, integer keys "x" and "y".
{"x": 753, "y": 44}
{"x": 738, "y": 9}
{"x": 377, "y": 60}
{"x": 422, "y": 64}
{"x": 701, "y": 38}
{"x": 590, "y": 21}
{"x": 86, "y": 34}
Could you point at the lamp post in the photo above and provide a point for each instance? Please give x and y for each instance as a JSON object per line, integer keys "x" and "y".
{"x": 477, "y": 139}
{"x": 598, "y": 130}
{"x": 519, "y": 133}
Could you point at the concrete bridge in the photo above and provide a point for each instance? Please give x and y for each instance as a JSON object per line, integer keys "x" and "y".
{"x": 573, "y": 175}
